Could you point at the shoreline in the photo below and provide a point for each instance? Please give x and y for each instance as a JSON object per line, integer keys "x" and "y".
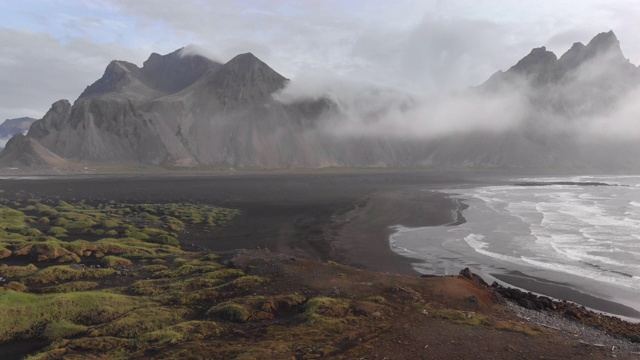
{"x": 565, "y": 292}
{"x": 514, "y": 278}
{"x": 362, "y": 234}
{"x": 345, "y": 218}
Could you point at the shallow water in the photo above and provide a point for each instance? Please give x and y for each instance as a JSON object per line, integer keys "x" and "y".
{"x": 585, "y": 236}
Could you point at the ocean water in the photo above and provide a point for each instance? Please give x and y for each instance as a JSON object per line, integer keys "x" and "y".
{"x": 587, "y": 237}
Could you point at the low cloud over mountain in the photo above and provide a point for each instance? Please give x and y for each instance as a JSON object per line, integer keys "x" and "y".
{"x": 183, "y": 109}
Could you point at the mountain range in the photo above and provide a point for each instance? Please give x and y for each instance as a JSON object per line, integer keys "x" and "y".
{"x": 185, "y": 110}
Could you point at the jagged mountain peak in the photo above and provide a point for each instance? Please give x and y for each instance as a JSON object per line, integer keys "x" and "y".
{"x": 159, "y": 75}
{"x": 117, "y": 75}
{"x": 604, "y": 40}
{"x": 541, "y": 66}
{"x": 175, "y": 71}
{"x": 538, "y": 60}
{"x": 247, "y": 63}
{"x": 245, "y": 78}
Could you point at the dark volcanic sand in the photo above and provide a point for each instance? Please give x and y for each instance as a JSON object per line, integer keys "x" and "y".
{"x": 341, "y": 217}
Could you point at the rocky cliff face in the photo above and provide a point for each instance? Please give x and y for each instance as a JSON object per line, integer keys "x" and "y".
{"x": 185, "y": 110}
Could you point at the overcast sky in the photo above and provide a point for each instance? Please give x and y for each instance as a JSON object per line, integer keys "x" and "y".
{"x": 52, "y": 50}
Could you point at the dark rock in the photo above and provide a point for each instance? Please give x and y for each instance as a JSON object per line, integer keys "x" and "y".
{"x": 571, "y": 314}
{"x": 528, "y": 304}
{"x": 472, "y": 300}
{"x": 634, "y": 338}
{"x": 466, "y": 273}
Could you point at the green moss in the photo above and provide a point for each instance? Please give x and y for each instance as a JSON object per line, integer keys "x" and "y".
{"x": 325, "y": 306}
{"x": 282, "y": 302}
{"x": 198, "y": 330}
{"x": 197, "y": 283}
{"x": 152, "y": 268}
{"x": 28, "y": 208}
{"x": 134, "y": 234}
{"x": 199, "y": 297}
{"x": 25, "y": 315}
{"x": 173, "y": 223}
{"x": 160, "y": 337}
{"x": 247, "y": 282}
{"x": 4, "y": 252}
{"x": 63, "y": 329}
{"x": 59, "y": 273}
{"x": 112, "y": 347}
{"x": 64, "y": 206}
{"x": 111, "y": 223}
{"x": 78, "y": 225}
{"x": 48, "y": 211}
{"x": 12, "y": 220}
{"x": 44, "y": 220}
{"x": 223, "y": 274}
{"x": 16, "y": 286}
{"x": 112, "y": 261}
{"x": 17, "y": 271}
{"x": 210, "y": 257}
{"x": 165, "y": 239}
{"x": 111, "y": 233}
{"x": 30, "y": 232}
{"x": 457, "y": 316}
{"x": 189, "y": 269}
{"x": 377, "y": 299}
{"x": 49, "y": 249}
{"x": 230, "y": 311}
{"x": 57, "y": 231}
{"x": 140, "y": 321}
{"x": 61, "y": 222}
{"x": 73, "y": 286}
{"x": 150, "y": 287}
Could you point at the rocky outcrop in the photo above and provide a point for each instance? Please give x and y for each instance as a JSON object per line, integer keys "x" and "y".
{"x": 611, "y": 324}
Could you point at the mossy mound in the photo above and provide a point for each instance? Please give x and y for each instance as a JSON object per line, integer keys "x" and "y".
{"x": 27, "y": 315}
{"x": 112, "y": 261}
{"x": 63, "y": 273}
{"x": 130, "y": 230}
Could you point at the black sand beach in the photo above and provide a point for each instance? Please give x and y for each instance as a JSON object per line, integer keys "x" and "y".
{"x": 344, "y": 217}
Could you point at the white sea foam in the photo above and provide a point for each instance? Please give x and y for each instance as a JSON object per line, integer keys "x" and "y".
{"x": 592, "y": 232}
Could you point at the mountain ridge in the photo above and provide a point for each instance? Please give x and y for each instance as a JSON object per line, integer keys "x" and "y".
{"x": 181, "y": 109}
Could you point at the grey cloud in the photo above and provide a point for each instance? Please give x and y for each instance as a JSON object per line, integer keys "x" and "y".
{"x": 37, "y": 70}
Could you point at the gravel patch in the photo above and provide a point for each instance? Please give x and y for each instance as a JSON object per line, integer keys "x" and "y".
{"x": 576, "y": 331}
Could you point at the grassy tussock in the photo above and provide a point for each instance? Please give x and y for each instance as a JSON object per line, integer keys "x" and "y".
{"x": 17, "y": 271}
{"x": 60, "y": 273}
{"x": 70, "y": 287}
{"x": 230, "y": 312}
{"x": 140, "y": 321}
{"x": 27, "y": 315}
{"x": 63, "y": 329}
{"x": 112, "y": 261}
